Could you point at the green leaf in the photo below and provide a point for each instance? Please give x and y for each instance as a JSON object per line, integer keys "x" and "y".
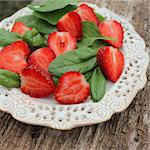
{"x": 100, "y": 17}
{"x": 7, "y": 37}
{"x": 55, "y": 79}
{"x": 70, "y": 61}
{"x": 89, "y": 74}
{"x": 98, "y": 44}
{"x": 98, "y": 85}
{"x": 51, "y": 5}
{"x": 34, "y": 22}
{"x": 54, "y": 16}
{"x": 90, "y": 34}
{"x": 9, "y": 79}
{"x": 33, "y": 38}
{"x": 86, "y": 53}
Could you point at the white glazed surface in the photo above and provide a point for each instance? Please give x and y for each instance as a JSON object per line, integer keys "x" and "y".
{"x": 47, "y": 112}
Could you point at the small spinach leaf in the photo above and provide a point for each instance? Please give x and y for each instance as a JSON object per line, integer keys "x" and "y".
{"x": 100, "y": 17}
{"x": 98, "y": 85}
{"x": 7, "y": 37}
{"x": 33, "y": 38}
{"x": 9, "y": 79}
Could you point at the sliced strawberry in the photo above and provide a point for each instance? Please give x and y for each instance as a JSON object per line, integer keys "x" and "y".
{"x": 36, "y": 82}
{"x": 42, "y": 57}
{"x": 114, "y": 30}
{"x": 13, "y": 57}
{"x": 61, "y": 42}
{"x": 87, "y": 14}
{"x": 72, "y": 88}
{"x": 20, "y": 28}
{"x": 111, "y": 61}
{"x": 71, "y": 22}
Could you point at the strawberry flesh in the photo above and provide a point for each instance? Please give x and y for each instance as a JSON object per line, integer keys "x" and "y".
{"x": 114, "y": 30}
{"x": 71, "y": 22}
{"x": 111, "y": 61}
{"x": 20, "y": 28}
{"x": 72, "y": 88}
{"x": 42, "y": 57}
{"x": 13, "y": 57}
{"x": 61, "y": 42}
{"x": 36, "y": 82}
{"x": 87, "y": 14}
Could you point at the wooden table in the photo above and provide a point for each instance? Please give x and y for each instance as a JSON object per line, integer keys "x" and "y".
{"x": 129, "y": 130}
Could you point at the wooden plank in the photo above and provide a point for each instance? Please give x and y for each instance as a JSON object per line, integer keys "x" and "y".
{"x": 129, "y": 130}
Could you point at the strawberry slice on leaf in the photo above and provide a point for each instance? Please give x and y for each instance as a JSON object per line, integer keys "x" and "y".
{"x": 61, "y": 42}
{"x": 36, "y": 82}
{"x": 87, "y": 14}
{"x": 72, "y": 88}
{"x": 114, "y": 30}
{"x": 71, "y": 22}
{"x": 13, "y": 57}
{"x": 111, "y": 61}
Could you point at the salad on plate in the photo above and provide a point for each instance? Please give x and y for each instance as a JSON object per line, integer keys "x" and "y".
{"x": 64, "y": 49}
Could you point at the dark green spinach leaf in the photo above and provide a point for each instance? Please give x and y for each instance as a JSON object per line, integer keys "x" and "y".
{"x": 53, "y": 16}
{"x": 100, "y": 17}
{"x": 51, "y": 5}
{"x": 70, "y": 61}
{"x": 98, "y": 85}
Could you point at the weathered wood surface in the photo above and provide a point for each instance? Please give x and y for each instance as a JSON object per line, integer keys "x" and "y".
{"x": 129, "y": 130}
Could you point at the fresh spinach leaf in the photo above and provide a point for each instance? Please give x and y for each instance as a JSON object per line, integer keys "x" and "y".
{"x": 86, "y": 53}
{"x": 55, "y": 79}
{"x": 98, "y": 85}
{"x": 37, "y": 23}
{"x": 53, "y": 16}
{"x": 70, "y": 61}
{"x": 90, "y": 34}
{"x": 100, "y": 17}
{"x": 33, "y": 38}
{"x": 7, "y": 37}
{"x": 9, "y": 79}
{"x": 89, "y": 74}
{"x": 98, "y": 44}
{"x": 51, "y": 5}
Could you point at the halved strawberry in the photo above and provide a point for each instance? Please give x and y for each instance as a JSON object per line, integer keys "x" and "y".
{"x": 20, "y": 28}
{"x": 13, "y": 57}
{"x": 72, "y": 88}
{"x": 61, "y": 42}
{"x": 71, "y": 22}
{"x": 111, "y": 61}
{"x": 87, "y": 14}
{"x": 36, "y": 82}
{"x": 114, "y": 30}
{"x": 42, "y": 57}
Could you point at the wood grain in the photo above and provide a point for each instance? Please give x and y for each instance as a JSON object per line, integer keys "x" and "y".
{"x": 129, "y": 130}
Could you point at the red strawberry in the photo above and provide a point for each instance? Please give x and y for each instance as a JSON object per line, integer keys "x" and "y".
{"x": 71, "y": 22}
{"x": 42, "y": 57}
{"x": 36, "y": 82}
{"x": 87, "y": 14}
{"x": 114, "y": 30}
{"x": 111, "y": 61}
{"x": 72, "y": 88}
{"x": 13, "y": 57}
{"x": 20, "y": 28}
{"x": 61, "y": 42}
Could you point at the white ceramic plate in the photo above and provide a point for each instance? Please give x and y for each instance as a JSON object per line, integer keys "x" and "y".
{"x": 46, "y": 112}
